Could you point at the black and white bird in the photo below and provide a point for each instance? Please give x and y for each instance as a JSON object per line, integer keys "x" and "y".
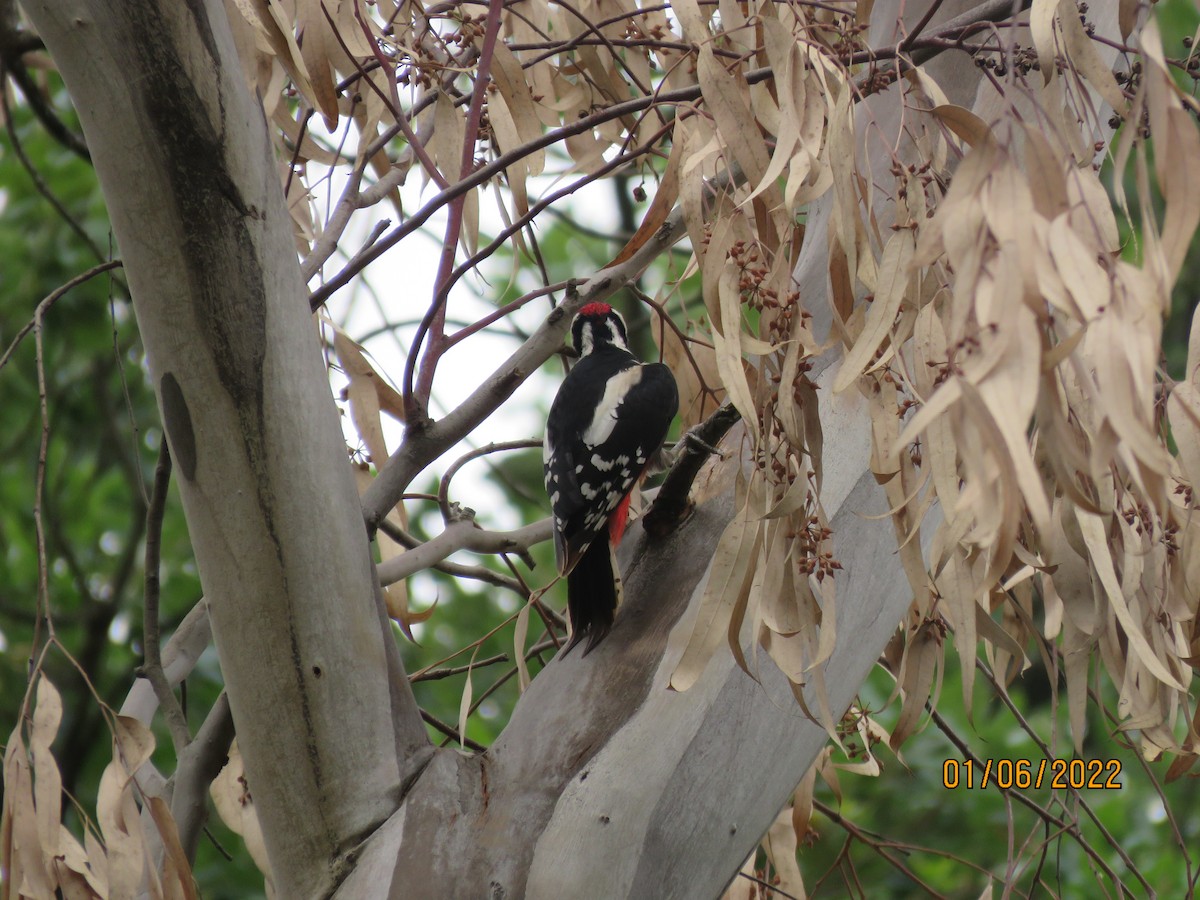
{"x": 607, "y": 423}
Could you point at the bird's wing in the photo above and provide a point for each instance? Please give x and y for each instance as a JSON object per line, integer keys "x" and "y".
{"x": 598, "y": 463}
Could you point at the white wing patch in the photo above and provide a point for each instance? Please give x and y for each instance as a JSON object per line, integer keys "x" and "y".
{"x": 605, "y": 419}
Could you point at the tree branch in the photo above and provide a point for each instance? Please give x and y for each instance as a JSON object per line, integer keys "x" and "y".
{"x": 454, "y": 570}
{"x": 462, "y": 534}
{"x": 443, "y": 495}
{"x": 52, "y": 298}
{"x": 152, "y": 670}
{"x": 178, "y": 658}
{"x": 14, "y": 44}
{"x": 929, "y": 47}
{"x": 671, "y": 505}
{"x": 199, "y": 764}
{"x": 416, "y": 397}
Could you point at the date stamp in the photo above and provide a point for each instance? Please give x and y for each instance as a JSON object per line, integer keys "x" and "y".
{"x": 1057, "y": 774}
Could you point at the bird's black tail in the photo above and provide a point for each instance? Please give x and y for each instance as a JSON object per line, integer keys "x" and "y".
{"x": 592, "y": 595}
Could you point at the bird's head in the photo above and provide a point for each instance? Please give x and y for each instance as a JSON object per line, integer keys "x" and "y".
{"x": 598, "y": 325}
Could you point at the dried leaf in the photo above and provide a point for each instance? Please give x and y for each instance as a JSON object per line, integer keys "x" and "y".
{"x": 726, "y": 589}
{"x": 1085, "y": 59}
{"x": 964, "y": 123}
{"x": 922, "y": 658}
{"x": 76, "y": 865}
{"x": 117, "y": 815}
{"x": 511, "y": 81}
{"x": 235, "y": 805}
{"x": 464, "y": 704}
{"x": 1127, "y": 17}
{"x": 368, "y": 395}
{"x": 520, "y": 636}
{"x": 1041, "y": 28}
{"x": 47, "y": 793}
{"x": 177, "y": 874}
{"x": 894, "y": 271}
{"x": 725, "y": 94}
{"x": 1092, "y": 531}
{"x": 781, "y": 843}
{"x": 133, "y": 743}
{"x": 1177, "y": 146}
{"x": 727, "y": 343}
{"x": 25, "y": 864}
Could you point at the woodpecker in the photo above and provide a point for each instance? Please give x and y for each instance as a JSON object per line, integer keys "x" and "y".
{"x": 606, "y": 425}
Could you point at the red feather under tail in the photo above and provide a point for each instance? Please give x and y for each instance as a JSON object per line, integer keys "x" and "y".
{"x": 617, "y": 521}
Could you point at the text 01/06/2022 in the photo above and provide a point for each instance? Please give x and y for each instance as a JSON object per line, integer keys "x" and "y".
{"x": 1057, "y": 774}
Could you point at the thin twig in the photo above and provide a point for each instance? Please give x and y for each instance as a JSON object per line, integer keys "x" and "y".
{"x": 39, "y": 183}
{"x": 52, "y": 298}
{"x": 462, "y": 534}
{"x": 503, "y": 311}
{"x": 152, "y": 668}
{"x": 920, "y": 50}
{"x": 451, "y": 732}
{"x": 416, "y": 398}
{"x": 856, "y": 832}
{"x": 615, "y": 163}
{"x": 1078, "y": 796}
{"x": 199, "y": 765}
{"x": 438, "y": 674}
{"x": 1063, "y": 826}
{"x": 772, "y": 889}
{"x": 443, "y": 496}
{"x": 43, "y": 594}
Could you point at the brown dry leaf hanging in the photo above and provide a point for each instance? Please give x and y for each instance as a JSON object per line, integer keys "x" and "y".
{"x": 234, "y": 803}
{"x": 726, "y": 591}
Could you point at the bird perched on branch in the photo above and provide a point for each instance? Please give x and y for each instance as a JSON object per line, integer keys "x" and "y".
{"x": 606, "y": 426}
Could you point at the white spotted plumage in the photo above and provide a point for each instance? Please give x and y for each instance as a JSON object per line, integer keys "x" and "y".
{"x": 610, "y": 416}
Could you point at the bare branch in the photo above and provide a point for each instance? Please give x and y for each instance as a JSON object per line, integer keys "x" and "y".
{"x": 179, "y": 657}
{"x": 671, "y": 504}
{"x": 199, "y": 763}
{"x": 443, "y": 496}
{"x": 152, "y": 669}
{"x": 14, "y": 44}
{"x": 1062, "y": 826}
{"x": 451, "y": 732}
{"x": 455, "y": 570}
{"x": 52, "y": 298}
{"x": 416, "y": 395}
{"x": 933, "y": 45}
{"x": 508, "y": 231}
{"x": 462, "y": 534}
